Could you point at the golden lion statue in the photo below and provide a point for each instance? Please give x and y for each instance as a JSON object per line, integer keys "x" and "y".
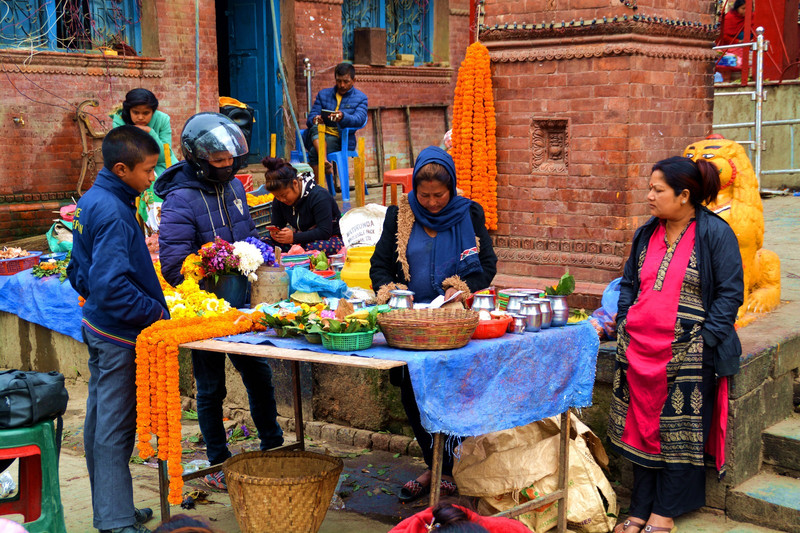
{"x": 739, "y": 203}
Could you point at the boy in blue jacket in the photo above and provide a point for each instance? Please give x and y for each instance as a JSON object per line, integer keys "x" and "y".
{"x": 111, "y": 268}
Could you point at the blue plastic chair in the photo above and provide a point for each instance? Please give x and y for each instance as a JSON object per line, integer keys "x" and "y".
{"x": 296, "y": 156}
{"x": 340, "y": 159}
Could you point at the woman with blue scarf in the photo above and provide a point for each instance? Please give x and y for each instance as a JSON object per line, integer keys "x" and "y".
{"x": 433, "y": 243}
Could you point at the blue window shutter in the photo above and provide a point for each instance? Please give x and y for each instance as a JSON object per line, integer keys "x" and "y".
{"x": 409, "y": 28}
{"x": 359, "y": 14}
{"x": 23, "y": 23}
{"x": 116, "y": 19}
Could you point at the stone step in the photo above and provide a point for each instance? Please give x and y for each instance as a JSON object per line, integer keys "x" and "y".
{"x": 782, "y": 443}
{"x": 767, "y": 500}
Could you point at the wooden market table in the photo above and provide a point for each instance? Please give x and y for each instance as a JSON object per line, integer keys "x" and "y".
{"x": 296, "y": 356}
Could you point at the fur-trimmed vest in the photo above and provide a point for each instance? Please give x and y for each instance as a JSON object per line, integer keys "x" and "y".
{"x": 389, "y": 267}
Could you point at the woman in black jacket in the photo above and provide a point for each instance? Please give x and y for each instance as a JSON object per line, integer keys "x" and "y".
{"x": 303, "y": 213}
{"x": 434, "y": 243}
{"x": 676, "y": 343}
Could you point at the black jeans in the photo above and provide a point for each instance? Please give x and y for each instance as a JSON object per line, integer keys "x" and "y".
{"x": 424, "y": 438}
{"x": 209, "y": 374}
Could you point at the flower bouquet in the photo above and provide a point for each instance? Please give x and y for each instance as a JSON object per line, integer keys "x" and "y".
{"x": 227, "y": 267}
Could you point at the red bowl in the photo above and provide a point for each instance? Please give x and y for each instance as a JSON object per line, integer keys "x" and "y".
{"x": 491, "y": 329}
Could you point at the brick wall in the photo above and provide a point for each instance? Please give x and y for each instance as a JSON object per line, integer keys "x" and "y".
{"x": 582, "y": 114}
{"x": 42, "y": 161}
{"x": 319, "y": 34}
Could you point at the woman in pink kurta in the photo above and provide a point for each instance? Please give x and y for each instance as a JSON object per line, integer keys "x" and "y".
{"x": 679, "y": 297}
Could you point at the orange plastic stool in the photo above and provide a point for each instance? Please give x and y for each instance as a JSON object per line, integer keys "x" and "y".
{"x": 401, "y": 176}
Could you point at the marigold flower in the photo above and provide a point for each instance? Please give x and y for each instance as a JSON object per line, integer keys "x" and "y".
{"x": 158, "y": 404}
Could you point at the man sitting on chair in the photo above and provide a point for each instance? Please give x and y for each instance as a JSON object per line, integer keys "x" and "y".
{"x": 341, "y": 106}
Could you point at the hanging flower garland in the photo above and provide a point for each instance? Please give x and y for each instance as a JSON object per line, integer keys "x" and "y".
{"x": 474, "y": 124}
{"x": 158, "y": 399}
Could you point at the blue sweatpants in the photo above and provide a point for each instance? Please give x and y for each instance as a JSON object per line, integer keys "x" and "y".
{"x": 209, "y": 375}
{"x": 109, "y": 431}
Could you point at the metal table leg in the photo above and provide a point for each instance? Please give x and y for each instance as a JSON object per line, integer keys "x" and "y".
{"x": 298, "y": 406}
{"x": 436, "y": 468}
{"x": 163, "y": 489}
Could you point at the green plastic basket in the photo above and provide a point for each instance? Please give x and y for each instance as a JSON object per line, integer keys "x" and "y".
{"x": 347, "y": 342}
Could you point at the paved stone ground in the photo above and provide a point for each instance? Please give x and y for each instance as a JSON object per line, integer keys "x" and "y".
{"x": 374, "y": 476}
{"x": 782, "y": 230}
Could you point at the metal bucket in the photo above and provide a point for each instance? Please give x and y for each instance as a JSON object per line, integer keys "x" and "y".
{"x": 271, "y": 286}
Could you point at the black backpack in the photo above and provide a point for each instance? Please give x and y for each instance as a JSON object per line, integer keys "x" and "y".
{"x": 27, "y": 398}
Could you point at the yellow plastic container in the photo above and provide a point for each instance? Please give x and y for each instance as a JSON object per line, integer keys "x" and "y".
{"x": 355, "y": 272}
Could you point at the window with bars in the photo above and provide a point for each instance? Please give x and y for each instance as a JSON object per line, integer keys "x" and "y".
{"x": 71, "y": 25}
{"x": 408, "y": 24}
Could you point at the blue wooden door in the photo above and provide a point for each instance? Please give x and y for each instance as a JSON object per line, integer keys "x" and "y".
{"x": 254, "y": 75}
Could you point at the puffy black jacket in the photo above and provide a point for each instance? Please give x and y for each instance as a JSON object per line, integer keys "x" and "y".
{"x": 721, "y": 284}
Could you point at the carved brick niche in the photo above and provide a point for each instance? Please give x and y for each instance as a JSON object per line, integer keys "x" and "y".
{"x": 549, "y": 146}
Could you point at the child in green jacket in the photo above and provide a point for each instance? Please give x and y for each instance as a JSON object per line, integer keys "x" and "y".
{"x": 140, "y": 109}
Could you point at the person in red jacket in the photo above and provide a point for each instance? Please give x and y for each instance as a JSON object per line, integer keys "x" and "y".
{"x": 733, "y": 24}
{"x": 456, "y": 519}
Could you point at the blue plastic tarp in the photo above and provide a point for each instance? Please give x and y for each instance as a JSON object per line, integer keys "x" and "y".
{"x": 488, "y": 385}
{"x": 44, "y": 301}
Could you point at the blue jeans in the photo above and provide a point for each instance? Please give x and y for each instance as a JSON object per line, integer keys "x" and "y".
{"x": 209, "y": 374}
{"x": 109, "y": 431}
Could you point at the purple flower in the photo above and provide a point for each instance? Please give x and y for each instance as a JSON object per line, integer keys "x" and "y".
{"x": 267, "y": 252}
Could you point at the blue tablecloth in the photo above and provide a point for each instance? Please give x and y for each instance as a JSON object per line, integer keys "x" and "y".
{"x": 488, "y": 385}
{"x": 43, "y": 301}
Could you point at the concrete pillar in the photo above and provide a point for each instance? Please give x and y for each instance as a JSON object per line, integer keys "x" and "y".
{"x": 589, "y": 94}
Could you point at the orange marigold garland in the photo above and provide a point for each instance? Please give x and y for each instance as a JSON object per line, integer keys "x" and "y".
{"x": 158, "y": 400}
{"x": 474, "y": 132}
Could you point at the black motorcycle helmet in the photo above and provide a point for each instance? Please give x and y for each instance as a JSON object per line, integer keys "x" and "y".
{"x": 206, "y": 134}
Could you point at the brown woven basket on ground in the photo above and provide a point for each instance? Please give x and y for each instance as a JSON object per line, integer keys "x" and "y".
{"x": 281, "y": 491}
{"x": 428, "y": 329}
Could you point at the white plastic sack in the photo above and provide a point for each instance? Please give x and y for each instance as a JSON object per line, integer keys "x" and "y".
{"x": 362, "y": 226}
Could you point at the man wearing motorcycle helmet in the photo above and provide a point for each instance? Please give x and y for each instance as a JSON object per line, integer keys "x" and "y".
{"x": 202, "y": 201}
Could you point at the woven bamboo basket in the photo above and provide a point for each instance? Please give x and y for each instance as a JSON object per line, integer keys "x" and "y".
{"x": 281, "y": 491}
{"x": 428, "y": 329}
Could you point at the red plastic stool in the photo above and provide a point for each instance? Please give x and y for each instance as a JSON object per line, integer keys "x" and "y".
{"x": 400, "y": 176}
{"x": 247, "y": 181}
{"x": 38, "y": 499}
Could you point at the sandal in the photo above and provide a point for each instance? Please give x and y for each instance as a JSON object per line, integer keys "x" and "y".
{"x": 412, "y": 491}
{"x": 648, "y": 529}
{"x": 447, "y": 488}
{"x": 142, "y": 515}
{"x": 216, "y": 480}
{"x": 630, "y": 522}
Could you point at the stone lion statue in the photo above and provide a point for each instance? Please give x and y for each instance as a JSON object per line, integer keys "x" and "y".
{"x": 739, "y": 203}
